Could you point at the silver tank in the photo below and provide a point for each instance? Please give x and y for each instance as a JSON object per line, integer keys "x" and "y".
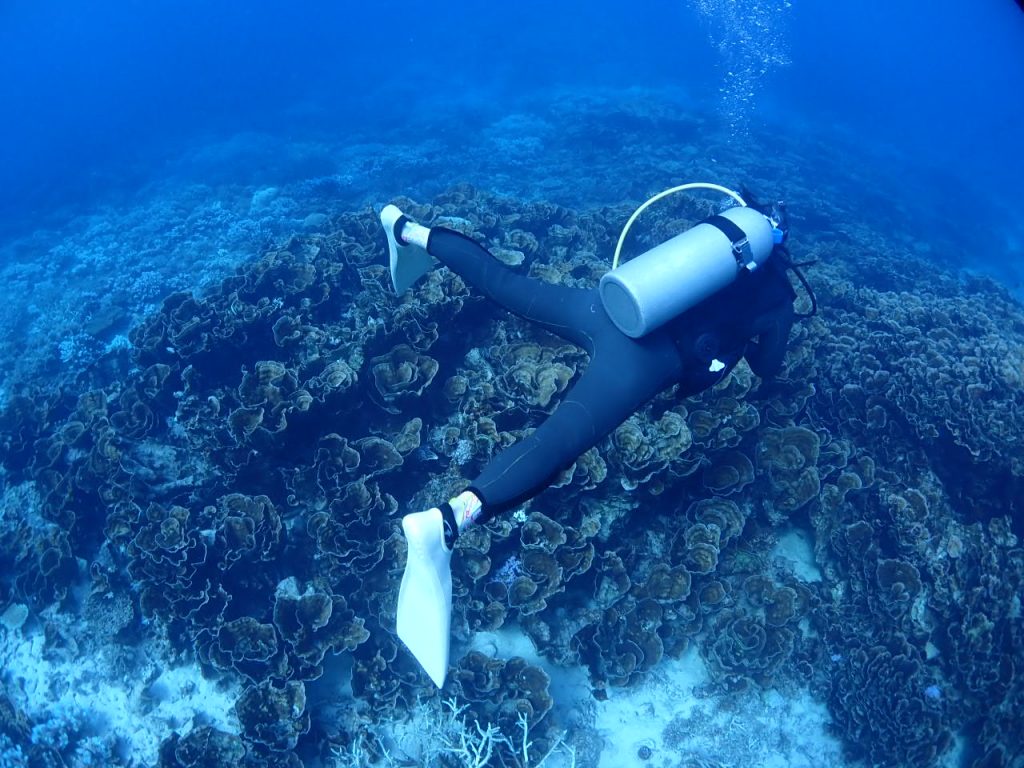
{"x": 659, "y": 284}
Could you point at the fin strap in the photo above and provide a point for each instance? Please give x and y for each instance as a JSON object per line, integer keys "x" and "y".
{"x": 451, "y": 526}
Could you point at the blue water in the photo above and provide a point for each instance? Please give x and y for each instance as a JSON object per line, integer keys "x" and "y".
{"x": 98, "y": 97}
{"x": 152, "y": 149}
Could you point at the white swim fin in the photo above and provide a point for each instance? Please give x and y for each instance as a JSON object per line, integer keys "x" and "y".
{"x": 408, "y": 262}
{"x": 425, "y": 597}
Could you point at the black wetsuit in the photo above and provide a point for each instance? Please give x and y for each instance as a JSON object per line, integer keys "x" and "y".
{"x": 623, "y": 373}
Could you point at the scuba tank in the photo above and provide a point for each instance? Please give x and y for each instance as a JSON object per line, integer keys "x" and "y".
{"x": 651, "y": 289}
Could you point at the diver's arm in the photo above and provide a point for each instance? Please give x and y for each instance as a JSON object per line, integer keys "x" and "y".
{"x": 765, "y": 355}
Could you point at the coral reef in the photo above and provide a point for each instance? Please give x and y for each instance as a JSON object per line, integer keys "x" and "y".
{"x": 237, "y": 475}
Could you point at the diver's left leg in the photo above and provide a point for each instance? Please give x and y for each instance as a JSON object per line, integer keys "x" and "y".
{"x": 562, "y": 310}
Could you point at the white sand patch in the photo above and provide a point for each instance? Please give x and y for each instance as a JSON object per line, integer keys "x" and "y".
{"x": 100, "y": 696}
{"x": 796, "y": 549}
{"x": 569, "y": 688}
{"x": 668, "y": 716}
{"x": 633, "y": 718}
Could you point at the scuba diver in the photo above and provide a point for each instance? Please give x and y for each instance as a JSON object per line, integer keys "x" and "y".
{"x": 684, "y": 313}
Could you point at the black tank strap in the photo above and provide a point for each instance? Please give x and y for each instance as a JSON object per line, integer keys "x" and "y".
{"x": 740, "y": 245}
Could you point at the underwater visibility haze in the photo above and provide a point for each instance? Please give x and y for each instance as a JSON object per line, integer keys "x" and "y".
{"x": 215, "y": 411}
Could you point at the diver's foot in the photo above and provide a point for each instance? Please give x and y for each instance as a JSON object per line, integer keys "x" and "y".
{"x": 425, "y": 597}
{"x": 393, "y": 220}
{"x": 404, "y": 230}
{"x": 407, "y": 248}
{"x": 424, "y": 531}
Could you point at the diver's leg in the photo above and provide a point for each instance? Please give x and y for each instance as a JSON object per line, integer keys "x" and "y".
{"x": 766, "y": 355}
{"x": 566, "y": 312}
{"x": 623, "y": 374}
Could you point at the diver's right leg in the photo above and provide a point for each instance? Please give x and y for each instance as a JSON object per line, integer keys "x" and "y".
{"x": 623, "y": 374}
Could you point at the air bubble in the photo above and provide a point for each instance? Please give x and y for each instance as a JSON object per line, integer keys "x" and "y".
{"x": 751, "y": 39}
